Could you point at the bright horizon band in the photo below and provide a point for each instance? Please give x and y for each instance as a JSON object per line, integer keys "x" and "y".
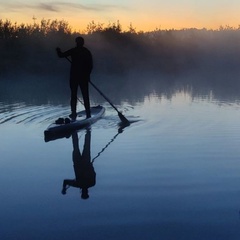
{"x": 155, "y": 14}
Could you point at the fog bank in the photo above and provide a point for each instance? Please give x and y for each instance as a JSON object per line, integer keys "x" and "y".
{"x": 163, "y": 61}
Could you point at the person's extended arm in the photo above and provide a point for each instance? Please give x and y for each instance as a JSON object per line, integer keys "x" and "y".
{"x": 63, "y": 54}
{"x": 68, "y": 183}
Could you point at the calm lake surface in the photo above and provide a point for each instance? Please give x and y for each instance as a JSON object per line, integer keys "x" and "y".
{"x": 172, "y": 174}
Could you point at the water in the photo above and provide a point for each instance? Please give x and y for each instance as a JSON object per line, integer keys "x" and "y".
{"x": 173, "y": 174}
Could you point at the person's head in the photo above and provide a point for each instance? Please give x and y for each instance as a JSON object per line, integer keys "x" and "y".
{"x": 79, "y": 41}
{"x": 84, "y": 193}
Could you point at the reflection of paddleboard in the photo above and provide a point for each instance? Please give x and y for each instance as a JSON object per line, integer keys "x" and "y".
{"x": 65, "y": 125}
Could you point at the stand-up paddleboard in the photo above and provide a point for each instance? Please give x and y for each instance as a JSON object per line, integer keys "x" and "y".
{"x": 62, "y": 126}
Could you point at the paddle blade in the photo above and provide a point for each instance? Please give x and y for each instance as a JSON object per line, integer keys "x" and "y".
{"x": 123, "y": 119}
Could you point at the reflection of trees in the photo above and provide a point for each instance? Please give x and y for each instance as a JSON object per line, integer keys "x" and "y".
{"x": 161, "y": 61}
{"x": 131, "y": 89}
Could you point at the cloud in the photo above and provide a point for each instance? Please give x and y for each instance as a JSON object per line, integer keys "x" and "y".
{"x": 60, "y": 6}
{"x": 48, "y": 7}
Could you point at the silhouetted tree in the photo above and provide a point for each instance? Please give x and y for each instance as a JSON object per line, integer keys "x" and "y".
{"x": 30, "y": 48}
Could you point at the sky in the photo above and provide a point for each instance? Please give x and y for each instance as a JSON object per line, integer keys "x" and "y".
{"x": 145, "y": 15}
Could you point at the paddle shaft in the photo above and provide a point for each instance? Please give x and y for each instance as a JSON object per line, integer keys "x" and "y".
{"x": 123, "y": 119}
{"x": 103, "y": 95}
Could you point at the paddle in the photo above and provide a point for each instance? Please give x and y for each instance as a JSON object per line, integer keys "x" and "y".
{"x": 122, "y": 118}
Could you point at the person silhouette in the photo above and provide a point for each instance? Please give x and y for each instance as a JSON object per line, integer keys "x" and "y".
{"x": 81, "y": 68}
{"x": 85, "y": 176}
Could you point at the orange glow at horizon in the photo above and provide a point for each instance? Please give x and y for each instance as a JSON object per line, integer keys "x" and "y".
{"x": 155, "y": 14}
{"x": 139, "y": 23}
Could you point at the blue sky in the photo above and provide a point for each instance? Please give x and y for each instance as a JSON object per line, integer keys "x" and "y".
{"x": 144, "y": 15}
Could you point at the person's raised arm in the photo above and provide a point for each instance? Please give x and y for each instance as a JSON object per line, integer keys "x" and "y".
{"x": 63, "y": 54}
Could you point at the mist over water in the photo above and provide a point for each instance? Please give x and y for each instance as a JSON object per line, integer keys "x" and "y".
{"x": 199, "y": 61}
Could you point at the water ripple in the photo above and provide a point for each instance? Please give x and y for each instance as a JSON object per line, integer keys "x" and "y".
{"x": 21, "y": 113}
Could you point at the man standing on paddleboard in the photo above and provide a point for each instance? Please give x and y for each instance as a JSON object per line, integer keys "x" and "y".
{"x": 81, "y": 67}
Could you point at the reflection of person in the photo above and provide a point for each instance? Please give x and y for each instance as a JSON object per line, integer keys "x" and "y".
{"x": 85, "y": 176}
{"x": 81, "y": 68}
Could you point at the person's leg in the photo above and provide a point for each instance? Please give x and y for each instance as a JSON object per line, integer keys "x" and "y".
{"x": 73, "y": 101}
{"x": 85, "y": 93}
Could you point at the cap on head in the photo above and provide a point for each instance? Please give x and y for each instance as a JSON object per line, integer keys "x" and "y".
{"x": 79, "y": 41}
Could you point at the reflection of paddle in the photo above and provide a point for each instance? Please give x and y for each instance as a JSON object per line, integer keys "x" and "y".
{"x": 120, "y": 130}
{"x": 123, "y": 119}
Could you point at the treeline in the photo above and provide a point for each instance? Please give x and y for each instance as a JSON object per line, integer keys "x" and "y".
{"x": 30, "y": 49}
